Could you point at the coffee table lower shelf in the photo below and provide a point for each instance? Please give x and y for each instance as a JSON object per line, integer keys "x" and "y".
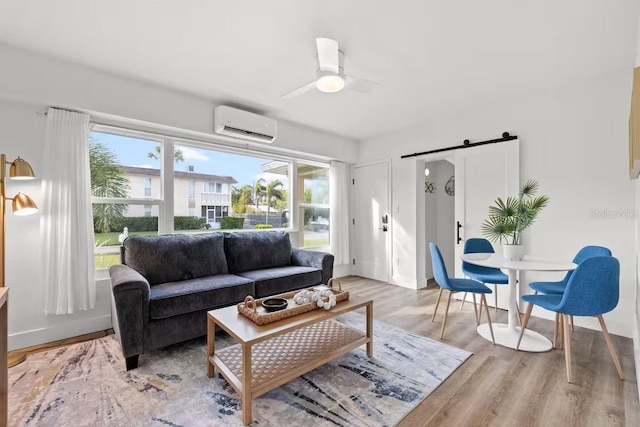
{"x": 278, "y": 360}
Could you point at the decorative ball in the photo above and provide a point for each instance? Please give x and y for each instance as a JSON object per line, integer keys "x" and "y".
{"x": 332, "y": 302}
{"x": 320, "y": 303}
{"x": 315, "y": 297}
{"x": 327, "y": 306}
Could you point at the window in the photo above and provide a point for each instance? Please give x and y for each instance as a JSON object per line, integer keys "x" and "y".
{"x": 147, "y": 187}
{"x": 313, "y": 203}
{"x": 122, "y": 171}
{"x": 212, "y": 187}
{"x": 209, "y": 187}
{"x": 208, "y": 183}
{"x": 233, "y": 184}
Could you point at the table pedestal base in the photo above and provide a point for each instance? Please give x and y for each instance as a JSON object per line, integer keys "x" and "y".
{"x": 508, "y": 337}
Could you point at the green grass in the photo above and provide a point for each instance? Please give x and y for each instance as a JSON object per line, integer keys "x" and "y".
{"x": 106, "y": 260}
{"x": 317, "y": 242}
{"x": 111, "y": 239}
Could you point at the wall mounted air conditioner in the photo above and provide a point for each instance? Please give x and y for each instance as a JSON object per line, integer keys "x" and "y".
{"x": 243, "y": 124}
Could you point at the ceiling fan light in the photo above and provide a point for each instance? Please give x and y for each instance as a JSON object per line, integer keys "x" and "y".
{"x": 330, "y": 83}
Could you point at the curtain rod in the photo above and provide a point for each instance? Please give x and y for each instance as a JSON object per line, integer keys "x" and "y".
{"x": 465, "y": 144}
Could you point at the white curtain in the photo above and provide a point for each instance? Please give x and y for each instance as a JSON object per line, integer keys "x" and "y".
{"x": 339, "y": 202}
{"x": 66, "y": 224}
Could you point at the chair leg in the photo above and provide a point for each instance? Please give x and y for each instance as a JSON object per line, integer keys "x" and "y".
{"x": 475, "y": 309}
{"x": 446, "y": 312}
{"x": 560, "y": 332}
{"x": 524, "y": 325}
{"x": 437, "y": 303}
{"x": 464, "y": 298}
{"x": 486, "y": 307}
{"x": 572, "y": 329}
{"x": 555, "y": 330}
{"x": 612, "y": 349}
{"x": 495, "y": 290}
{"x": 567, "y": 345}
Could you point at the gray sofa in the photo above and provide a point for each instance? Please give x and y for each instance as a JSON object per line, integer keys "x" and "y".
{"x": 166, "y": 284}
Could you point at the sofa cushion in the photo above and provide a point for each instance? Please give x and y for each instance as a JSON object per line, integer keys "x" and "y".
{"x": 277, "y": 280}
{"x": 205, "y": 293}
{"x": 255, "y": 251}
{"x": 175, "y": 257}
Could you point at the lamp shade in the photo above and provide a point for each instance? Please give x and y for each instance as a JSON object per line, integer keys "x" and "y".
{"x": 23, "y": 205}
{"x": 20, "y": 169}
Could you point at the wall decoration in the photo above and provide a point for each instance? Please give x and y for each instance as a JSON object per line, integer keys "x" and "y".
{"x": 429, "y": 187}
{"x": 450, "y": 186}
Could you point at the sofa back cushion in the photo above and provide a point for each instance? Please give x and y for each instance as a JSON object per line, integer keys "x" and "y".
{"x": 175, "y": 257}
{"x": 255, "y": 251}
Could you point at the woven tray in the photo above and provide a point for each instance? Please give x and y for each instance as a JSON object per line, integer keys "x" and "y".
{"x": 253, "y": 309}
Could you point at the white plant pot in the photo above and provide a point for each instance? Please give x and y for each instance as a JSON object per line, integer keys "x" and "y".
{"x": 513, "y": 252}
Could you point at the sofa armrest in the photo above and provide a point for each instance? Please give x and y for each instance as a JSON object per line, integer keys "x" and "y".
{"x": 321, "y": 260}
{"x": 130, "y": 291}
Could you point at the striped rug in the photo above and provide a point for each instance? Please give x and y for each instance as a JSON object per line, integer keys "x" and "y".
{"x": 86, "y": 385}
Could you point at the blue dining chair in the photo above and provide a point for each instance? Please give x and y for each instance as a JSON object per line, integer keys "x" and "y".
{"x": 592, "y": 290}
{"x": 454, "y": 285}
{"x": 551, "y": 288}
{"x": 482, "y": 274}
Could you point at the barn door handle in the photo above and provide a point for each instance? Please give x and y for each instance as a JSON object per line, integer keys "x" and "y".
{"x": 459, "y": 226}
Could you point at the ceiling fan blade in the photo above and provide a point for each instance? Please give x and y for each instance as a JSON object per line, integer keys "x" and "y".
{"x": 300, "y": 90}
{"x": 328, "y": 57}
{"x": 360, "y": 85}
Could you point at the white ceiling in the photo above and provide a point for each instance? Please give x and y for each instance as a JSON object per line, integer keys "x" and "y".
{"x": 434, "y": 57}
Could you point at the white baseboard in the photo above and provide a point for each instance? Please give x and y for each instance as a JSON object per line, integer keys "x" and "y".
{"x": 58, "y": 332}
{"x": 342, "y": 270}
{"x": 422, "y": 283}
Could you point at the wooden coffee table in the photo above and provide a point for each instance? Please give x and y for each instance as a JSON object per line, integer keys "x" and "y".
{"x": 281, "y": 351}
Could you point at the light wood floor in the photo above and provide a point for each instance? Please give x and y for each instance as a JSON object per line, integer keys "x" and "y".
{"x": 498, "y": 386}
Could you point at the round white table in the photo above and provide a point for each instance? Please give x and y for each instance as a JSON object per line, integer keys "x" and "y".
{"x": 507, "y": 334}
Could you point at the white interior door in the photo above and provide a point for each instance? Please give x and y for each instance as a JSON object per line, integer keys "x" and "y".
{"x": 371, "y": 221}
{"x": 483, "y": 174}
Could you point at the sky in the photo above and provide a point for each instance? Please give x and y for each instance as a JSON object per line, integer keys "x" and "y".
{"x": 133, "y": 152}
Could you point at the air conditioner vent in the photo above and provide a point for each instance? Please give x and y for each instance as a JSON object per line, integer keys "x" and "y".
{"x": 244, "y": 125}
{"x": 244, "y": 132}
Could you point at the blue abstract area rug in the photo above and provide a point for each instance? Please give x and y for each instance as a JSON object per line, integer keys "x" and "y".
{"x": 86, "y": 385}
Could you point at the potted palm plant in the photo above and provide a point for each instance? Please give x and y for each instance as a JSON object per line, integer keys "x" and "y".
{"x": 510, "y": 217}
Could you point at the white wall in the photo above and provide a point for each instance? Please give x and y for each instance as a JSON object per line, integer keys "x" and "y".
{"x": 574, "y": 141}
{"x": 29, "y": 83}
{"x": 438, "y": 218}
{"x": 430, "y": 215}
{"x": 445, "y": 215}
{"x": 636, "y": 300}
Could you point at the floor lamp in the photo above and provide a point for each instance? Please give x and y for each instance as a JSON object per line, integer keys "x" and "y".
{"x": 21, "y": 204}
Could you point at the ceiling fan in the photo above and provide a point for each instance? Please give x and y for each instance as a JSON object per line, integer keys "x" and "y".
{"x": 330, "y": 76}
